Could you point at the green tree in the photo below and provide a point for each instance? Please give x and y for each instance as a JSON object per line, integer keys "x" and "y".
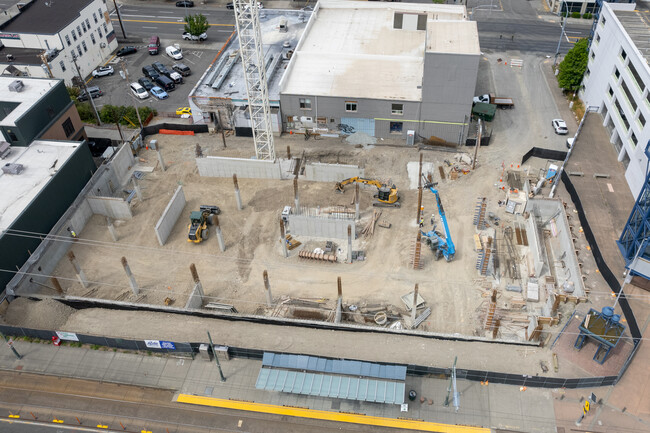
{"x": 86, "y": 112}
{"x": 440, "y": 2}
{"x": 196, "y": 24}
{"x": 574, "y": 66}
{"x": 73, "y": 92}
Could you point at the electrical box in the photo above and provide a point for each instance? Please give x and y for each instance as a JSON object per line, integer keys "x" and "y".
{"x": 205, "y": 353}
{"x": 410, "y": 137}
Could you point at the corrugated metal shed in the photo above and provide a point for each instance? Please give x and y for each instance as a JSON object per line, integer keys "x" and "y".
{"x": 335, "y": 378}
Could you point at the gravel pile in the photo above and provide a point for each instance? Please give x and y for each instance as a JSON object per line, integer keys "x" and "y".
{"x": 361, "y": 138}
{"x": 46, "y": 314}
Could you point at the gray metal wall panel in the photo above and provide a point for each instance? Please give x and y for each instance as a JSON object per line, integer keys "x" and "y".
{"x": 122, "y": 162}
{"x": 116, "y": 208}
{"x": 320, "y": 172}
{"x": 213, "y": 166}
{"x": 170, "y": 215}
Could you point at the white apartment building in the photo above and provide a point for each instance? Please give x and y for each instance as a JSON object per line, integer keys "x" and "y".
{"x": 39, "y": 38}
{"x": 617, "y": 81}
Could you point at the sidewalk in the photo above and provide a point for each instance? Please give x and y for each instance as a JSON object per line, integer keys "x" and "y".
{"x": 492, "y": 406}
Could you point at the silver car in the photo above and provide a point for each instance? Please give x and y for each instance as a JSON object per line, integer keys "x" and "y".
{"x": 102, "y": 71}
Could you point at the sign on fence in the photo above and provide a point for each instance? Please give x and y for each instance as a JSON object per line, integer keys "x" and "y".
{"x": 156, "y": 344}
{"x": 67, "y": 336}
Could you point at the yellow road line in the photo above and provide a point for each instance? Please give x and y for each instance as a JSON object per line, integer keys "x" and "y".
{"x": 170, "y": 22}
{"x": 329, "y": 416}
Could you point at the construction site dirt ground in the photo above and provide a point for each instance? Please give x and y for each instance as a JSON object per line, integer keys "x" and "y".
{"x": 453, "y": 290}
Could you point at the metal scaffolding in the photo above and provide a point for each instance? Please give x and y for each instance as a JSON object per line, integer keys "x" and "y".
{"x": 252, "y": 56}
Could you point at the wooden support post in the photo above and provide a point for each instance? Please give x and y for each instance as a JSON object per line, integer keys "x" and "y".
{"x": 237, "y": 193}
{"x": 267, "y": 287}
{"x": 57, "y": 285}
{"x": 339, "y": 301}
{"x": 414, "y": 307}
{"x": 77, "y": 270}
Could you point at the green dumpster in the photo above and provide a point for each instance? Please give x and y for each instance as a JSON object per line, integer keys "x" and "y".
{"x": 484, "y": 111}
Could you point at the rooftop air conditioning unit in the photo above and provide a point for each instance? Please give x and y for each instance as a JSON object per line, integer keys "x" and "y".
{"x": 10, "y": 168}
{"x": 16, "y": 86}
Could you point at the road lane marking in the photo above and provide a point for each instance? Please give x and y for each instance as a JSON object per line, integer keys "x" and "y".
{"x": 148, "y": 27}
{"x": 169, "y": 22}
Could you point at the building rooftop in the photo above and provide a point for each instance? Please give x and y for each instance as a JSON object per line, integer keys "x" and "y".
{"x": 225, "y": 77}
{"x": 45, "y": 17}
{"x": 41, "y": 160}
{"x": 21, "y": 56}
{"x": 352, "y": 49}
{"x": 33, "y": 90}
{"x": 637, "y": 26}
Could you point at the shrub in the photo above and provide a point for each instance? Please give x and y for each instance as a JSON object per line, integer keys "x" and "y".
{"x": 575, "y": 14}
{"x": 588, "y": 16}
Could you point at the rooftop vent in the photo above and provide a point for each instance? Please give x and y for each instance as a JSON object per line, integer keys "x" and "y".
{"x": 16, "y": 86}
{"x": 10, "y": 168}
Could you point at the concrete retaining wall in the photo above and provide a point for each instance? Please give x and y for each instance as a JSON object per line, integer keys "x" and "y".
{"x": 113, "y": 207}
{"x": 534, "y": 244}
{"x": 122, "y": 162}
{"x": 214, "y": 166}
{"x": 170, "y": 215}
{"x": 320, "y": 226}
{"x": 331, "y": 172}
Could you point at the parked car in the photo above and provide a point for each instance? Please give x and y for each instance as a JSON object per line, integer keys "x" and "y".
{"x": 165, "y": 83}
{"x": 182, "y": 69}
{"x": 159, "y": 93}
{"x": 190, "y": 37}
{"x": 161, "y": 69}
{"x": 559, "y": 126}
{"x": 102, "y": 71}
{"x": 183, "y": 110}
{"x": 124, "y": 51}
{"x": 185, "y": 3}
{"x": 154, "y": 45}
{"x": 174, "y": 53}
{"x": 176, "y": 78}
{"x": 230, "y": 5}
{"x": 146, "y": 83}
{"x": 150, "y": 73}
{"x": 93, "y": 91}
{"x": 139, "y": 91}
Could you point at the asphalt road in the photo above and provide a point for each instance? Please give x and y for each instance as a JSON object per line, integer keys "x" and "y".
{"x": 83, "y": 405}
{"x": 167, "y": 21}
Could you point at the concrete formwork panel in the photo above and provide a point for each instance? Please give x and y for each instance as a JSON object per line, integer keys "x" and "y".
{"x": 535, "y": 245}
{"x": 170, "y": 215}
{"x": 320, "y": 172}
{"x": 214, "y": 166}
{"x": 196, "y": 299}
{"x": 320, "y": 226}
{"x": 113, "y": 207}
{"x": 122, "y": 162}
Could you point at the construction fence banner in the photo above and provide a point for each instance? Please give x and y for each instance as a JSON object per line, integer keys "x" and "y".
{"x": 155, "y": 129}
{"x": 538, "y": 152}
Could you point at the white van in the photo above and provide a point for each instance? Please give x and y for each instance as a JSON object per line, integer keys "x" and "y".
{"x": 174, "y": 53}
{"x": 139, "y": 91}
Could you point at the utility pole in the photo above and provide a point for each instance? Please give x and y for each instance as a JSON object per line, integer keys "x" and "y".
{"x": 11, "y": 346}
{"x": 126, "y": 74}
{"x": 223, "y": 378}
{"x": 119, "y": 18}
{"x": 47, "y": 65}
{"x": 83, "y": 83}
{"x": 559, "y": 43}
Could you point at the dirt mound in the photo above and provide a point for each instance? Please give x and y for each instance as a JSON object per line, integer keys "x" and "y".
{"x": 46, "y": 314}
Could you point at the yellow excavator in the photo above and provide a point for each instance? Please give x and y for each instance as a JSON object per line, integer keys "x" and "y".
{"x": 386, "y": 196}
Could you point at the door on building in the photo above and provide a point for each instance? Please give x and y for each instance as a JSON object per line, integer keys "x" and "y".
{"x": 355, "y": 124}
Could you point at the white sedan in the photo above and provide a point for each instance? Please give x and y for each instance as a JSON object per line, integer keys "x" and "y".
{"x": 102, "y": 71}
{"x": 559, "y": 126}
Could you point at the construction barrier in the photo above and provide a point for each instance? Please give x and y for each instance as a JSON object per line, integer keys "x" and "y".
{"x": 173, "y": 132}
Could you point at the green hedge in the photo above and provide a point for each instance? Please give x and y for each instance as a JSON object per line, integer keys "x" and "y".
{"x": 575, "y": 14}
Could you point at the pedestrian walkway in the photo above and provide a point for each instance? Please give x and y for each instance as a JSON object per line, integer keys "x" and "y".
{"x": 489, "y": 406}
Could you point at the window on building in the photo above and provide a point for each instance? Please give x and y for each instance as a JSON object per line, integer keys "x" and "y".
{"x": 92, "y": 38}
{"x": 603, "y": 21}
{"x": 105, "y": 28}
{"x": 397, "y": 109}
{"x": 641, "y": 120}
{"x": 647, "y": 98}
{"x": 593, "y": 55}
{"x": 611, "y": 92}
{"x": 621, "y": 113}
{"x": 67, "y": 39}
{"x": 351, "y": 106}
{"x": 627, "y": 92}
{"x": 587, "y": 73}
{"x": 83, "y": 43}
{"x": 83, "y": 26}
{"x": 74, "y": 35}
{"x": 79, "y": 50}
{"x": 396, "y": 127}
{"x": 99, "y": 31}
{"x": 68, "y": 127}
{"x": 617, "y": 73}
{"x": 88, "y": 23}
{"x": 79, "y": 30}
{"x": 623, "y": 54}
{"x": 100, "y": 11}
{"x": 637, "y": 77}
{"x": 95, "y": 16}
{"x": 597, "y": 38}
{"x": 62, "y": 65}
{"x": 634, "y": 140}
{"x": 305, "y": 103}
{"x": 12, "y": 135}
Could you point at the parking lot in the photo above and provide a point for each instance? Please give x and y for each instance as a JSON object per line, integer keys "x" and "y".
{"x": 116, "y": 89}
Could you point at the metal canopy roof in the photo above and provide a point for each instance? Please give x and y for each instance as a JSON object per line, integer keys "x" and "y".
{"x": 334, "y": 378}
{"x": 327, "y": 385}
{"x": 334, "y": 366}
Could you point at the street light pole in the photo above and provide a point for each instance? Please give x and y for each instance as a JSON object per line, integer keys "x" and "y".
{"x": 559, "y": 43}
{"x": 119, "y": 18}
{"x": 11, "y": 346}
{"x": 216, "y": 359}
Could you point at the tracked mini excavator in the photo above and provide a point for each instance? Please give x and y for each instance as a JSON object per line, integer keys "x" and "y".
{"x": 386, "y": 196}
{"x": 198, "y": 230}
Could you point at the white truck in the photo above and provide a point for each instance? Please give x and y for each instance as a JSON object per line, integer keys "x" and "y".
{"x": 499, "y": 101}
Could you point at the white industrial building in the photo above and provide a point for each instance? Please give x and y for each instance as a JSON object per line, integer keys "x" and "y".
{"x": 617, "y": 81}
{"x": 40, "y": 38}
